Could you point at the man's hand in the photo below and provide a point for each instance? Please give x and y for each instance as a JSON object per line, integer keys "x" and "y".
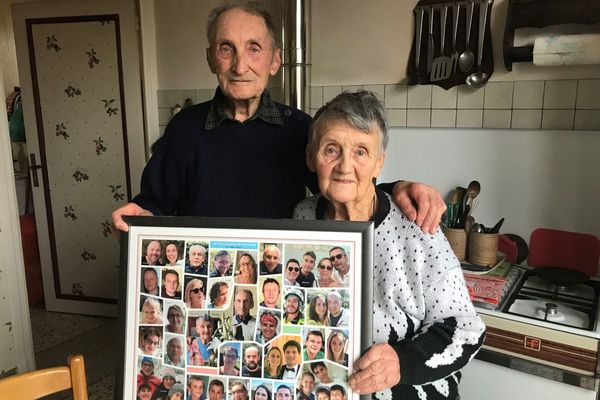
{"x": 429, "y": 204}
{"x": 127, "y": 209}
{"x": 377, "y": 369}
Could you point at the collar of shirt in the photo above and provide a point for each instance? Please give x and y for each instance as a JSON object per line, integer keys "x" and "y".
{"x": 244, "y": 320}
{"x": 267, "y": 111}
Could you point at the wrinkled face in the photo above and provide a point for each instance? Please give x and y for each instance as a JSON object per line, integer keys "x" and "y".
{"x": 221, "y": 299}
{"x": 338, "y": 258}
{"x": 196, "y": 295}
{"x": 147, "y": 369}
{"x": 261, "y": 394}
{"x": 268, "y": 329}
{"x": 291, "y": 355}
{"x": 222, "y": 264}
{"x": 252, "y": 358}
{"x": 151, "y": 343}
{"x": 346, "y": 161}
{"x": 320, "y": 307}
{"x": 308, "y": 263}
{"x": 336, "y": 344}
{"x": 292, "y": 304}
{"x": 307, "y": 384}
{"x": 196, "y": 387}
{"x": 321, "y": 372}
{"x": 333, "y": 304}
{"x": 271, "y": 293}
{"x": 175, "y": 318}
{"x": 292, "y": 270}
{"x": 172, "y": 254}
{"x": 337, "y": 395}
{"x": 245, "y": 265}
{"x": 215, "y": 392}
{"x": 271, "y": 257}
{"x": 243, "y": 303}
{"x": 150, "y": 280}
{"x": 204, "y": 330}
{"x": 314, "y": 344}
{"x": 153, "y": 252}
{"x": 243, "y": 55}
{"x": 174, "y": 349}
{"x": 274, "y": 358}
{"x": 145, "y": 393}
{"x": 283, "y": 394}
{"x": 239, "y": 392}
{"x": 150, "y": 314}
{"x": 196, "y": 256}
{"x": 325, "y": 269}
{"x": 171, "y": 282}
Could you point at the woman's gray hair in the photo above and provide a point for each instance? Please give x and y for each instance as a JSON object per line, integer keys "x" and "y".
{"x": 361, "y": 110}
{"x": 251, "y": 7}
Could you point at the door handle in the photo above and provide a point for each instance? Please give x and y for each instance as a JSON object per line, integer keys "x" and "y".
{"x": 33, "y": 167}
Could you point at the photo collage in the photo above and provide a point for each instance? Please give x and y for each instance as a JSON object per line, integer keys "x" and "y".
{"x": 220, "y": 319}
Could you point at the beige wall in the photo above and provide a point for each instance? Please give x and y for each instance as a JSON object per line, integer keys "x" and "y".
{"x": 8, "y": 56}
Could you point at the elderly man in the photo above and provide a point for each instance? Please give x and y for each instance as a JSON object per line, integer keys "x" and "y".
{"x": 338, "y": 316}
{"x": 216, "y": 388}
{"x": 150, "y": 277}
{"x": 196, "y": 263}
{"x": 260, "y": 137}
{"x": 306, "y": 278}
{"x": 170, "y": 285}
{"x": 204, "y": 332}
{"x": 251, "y": 366}
{"x": 270, "y": 263}
{"x": 152, "y": 256}
{"x": 221, "y": 265}
{"x": 294, "y": 302}
{"x": 174, "y": 353}
{"x": 339, "y": 260}
{"x": 146, "y": 375}
{"x": 243, "y": 322}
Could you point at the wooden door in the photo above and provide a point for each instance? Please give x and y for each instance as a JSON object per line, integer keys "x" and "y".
{"x": 79, "y": 70}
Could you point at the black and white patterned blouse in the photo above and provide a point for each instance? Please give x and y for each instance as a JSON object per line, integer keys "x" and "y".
{"x": 421, "y": 304}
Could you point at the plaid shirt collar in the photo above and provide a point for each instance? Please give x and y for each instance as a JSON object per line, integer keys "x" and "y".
{"x": 267, "y": 111}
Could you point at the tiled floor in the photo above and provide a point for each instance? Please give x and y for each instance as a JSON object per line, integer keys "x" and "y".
{"x": 56, "y": 335}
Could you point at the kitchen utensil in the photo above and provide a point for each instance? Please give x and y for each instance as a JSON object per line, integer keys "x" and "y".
{"x": 467, "y": 58}
{"x": 477, "y": 227}
{"x": 418, "y": 34}
{"x": 454, "y": 56}
{"x": 442, "y": 65}
{"x": 469, "y": 222}
{"x": 480, "y": 78}
{"x": 472, "y": 191}
{"x": 430, "y": 44}
{"x": 496, "y": 228}
{"x": 483, "y": 248}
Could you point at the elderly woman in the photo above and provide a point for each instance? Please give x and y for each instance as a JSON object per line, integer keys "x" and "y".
{"x": 424, "y": 324}
{"x": 246, "y": 270}
{"x": 194, "y": 294}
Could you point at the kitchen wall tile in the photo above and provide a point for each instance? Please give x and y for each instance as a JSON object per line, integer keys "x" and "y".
{"x": 329, "y": 92}
{"x": 395, "y": 96}
{"x": 588, "y": 94}
{"x": 419, "y": 96}
{"x": 164, "y": 115}
{"x": 528, "y": 94}
{"x": 396, "y": 117}
{"x": 441, "y": 98}
{"x": 204, "y": 95}
{"x": 587, "y": 120}
{"x": 498, "y": 119}
{"x": 351, "y": 88}
{"x": 379, "y": 90}
{"x": 560, "y": 94}
{"x": 526, "y": 119}
{"x": 316, "y": 97}
{"x": 443, "y": 118}
{"x": 168, "y": 98}
{"x": 558, "y": 119}
{"x": 188, "y": 94}
{"x": 498, "y": 95}
{"x": 469, "y": 118}
{"x": 469, "y": 97}
{"x": 420, "y": 118}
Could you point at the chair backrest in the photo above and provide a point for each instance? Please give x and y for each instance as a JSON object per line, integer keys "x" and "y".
{"x": 42, "y": 382}
{"x": 573, "y": 250}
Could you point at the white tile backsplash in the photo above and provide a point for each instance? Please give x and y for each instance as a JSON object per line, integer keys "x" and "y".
{"x": 419, "y": 96}
{"x": 498, "y": 119}
{"x": 587, "y": 120}
{"x": 316, "y": 97}
{"x": 558, "y": 119}
{"x": 168, "y": 98}
{"x": 396, "y": 117}
{"x": 560, "y": 94}
{"x": 379, "y": 90}
{"x": 469, "y": 97}
{"x": 441, "y": 98}
{"x": 395, "y": 96}
{"x": 418, "y": 118}
{"x": 498, "y": 95}
{"x": 469, "y": 118}
{"x": 441, "y": 118}
{"x": 329, "y": 92}
{"x": 588, "y": 94}
{"x": 528, "y": 94}
{"x": 526, "y": 119}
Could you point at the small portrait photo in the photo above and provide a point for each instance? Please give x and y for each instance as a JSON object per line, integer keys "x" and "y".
{"x": 221, "y": 263}
{"x": 194, "y": 295}
{"x": 216, "y": 389}
{"x": 338, "y": 314}
{"x": 220, "y": 293}
{"x": 175, "y": 317}
{"x": 202, "y": 344}
{"x": 246, "y": 269}
{"x": 291, "y": 272}
{"x": 340, "y": 260}
{"x": 293, "y": 306}
{"x": 148, "y": 368}
{"x": 338, "y": 392}
{"x": 270, "y": 258}
{"x": 151, "y": 311}
{"x": 229, "y": 359}
{"x": 307, "y": 256}
{"x": 174, "y": 350}
{"x": 150, "y": 279}
{"x": 244, "y": 313}
{"x": 292, "y": 356}
{"x": 150, "y": 340}
{"x": 326, "y": 275}
{"x": 262, "y": 390}
{"x": 336, "y": 347}
{"x": 171, "y": 283}
{"x": 171, "y": 378}
{"x": 306, "y": 386}
{"x": 316, "y": 308}
{"x": 270, "y": 288}
{"x": 196, "y": 261}
{"x": 314, "y": 344}
{"x": 174, "y": 252}
{"x": 251, "y": 360}
{"x": 151, "y": 252}
{"x": 327, "y": 373}
{"x": 196, "y": 387}
{"x": 284, "y": 391}
{"x": 238, "y": 389}
{"x": 273, "y": 361}
{"x": 269, "y": 325}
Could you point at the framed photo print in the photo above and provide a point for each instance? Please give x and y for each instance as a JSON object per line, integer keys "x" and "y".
{"x": 219, "y": 309}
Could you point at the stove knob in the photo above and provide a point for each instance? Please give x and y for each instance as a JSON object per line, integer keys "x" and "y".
{"x": 551, "y": 309}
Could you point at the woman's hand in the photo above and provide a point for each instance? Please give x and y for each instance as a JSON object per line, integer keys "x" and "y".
{"x": 377, "y": 369}
{"x": 429, "y": 203}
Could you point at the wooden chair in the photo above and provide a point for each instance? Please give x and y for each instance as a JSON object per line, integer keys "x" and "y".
{"x": 40, "y": 383}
